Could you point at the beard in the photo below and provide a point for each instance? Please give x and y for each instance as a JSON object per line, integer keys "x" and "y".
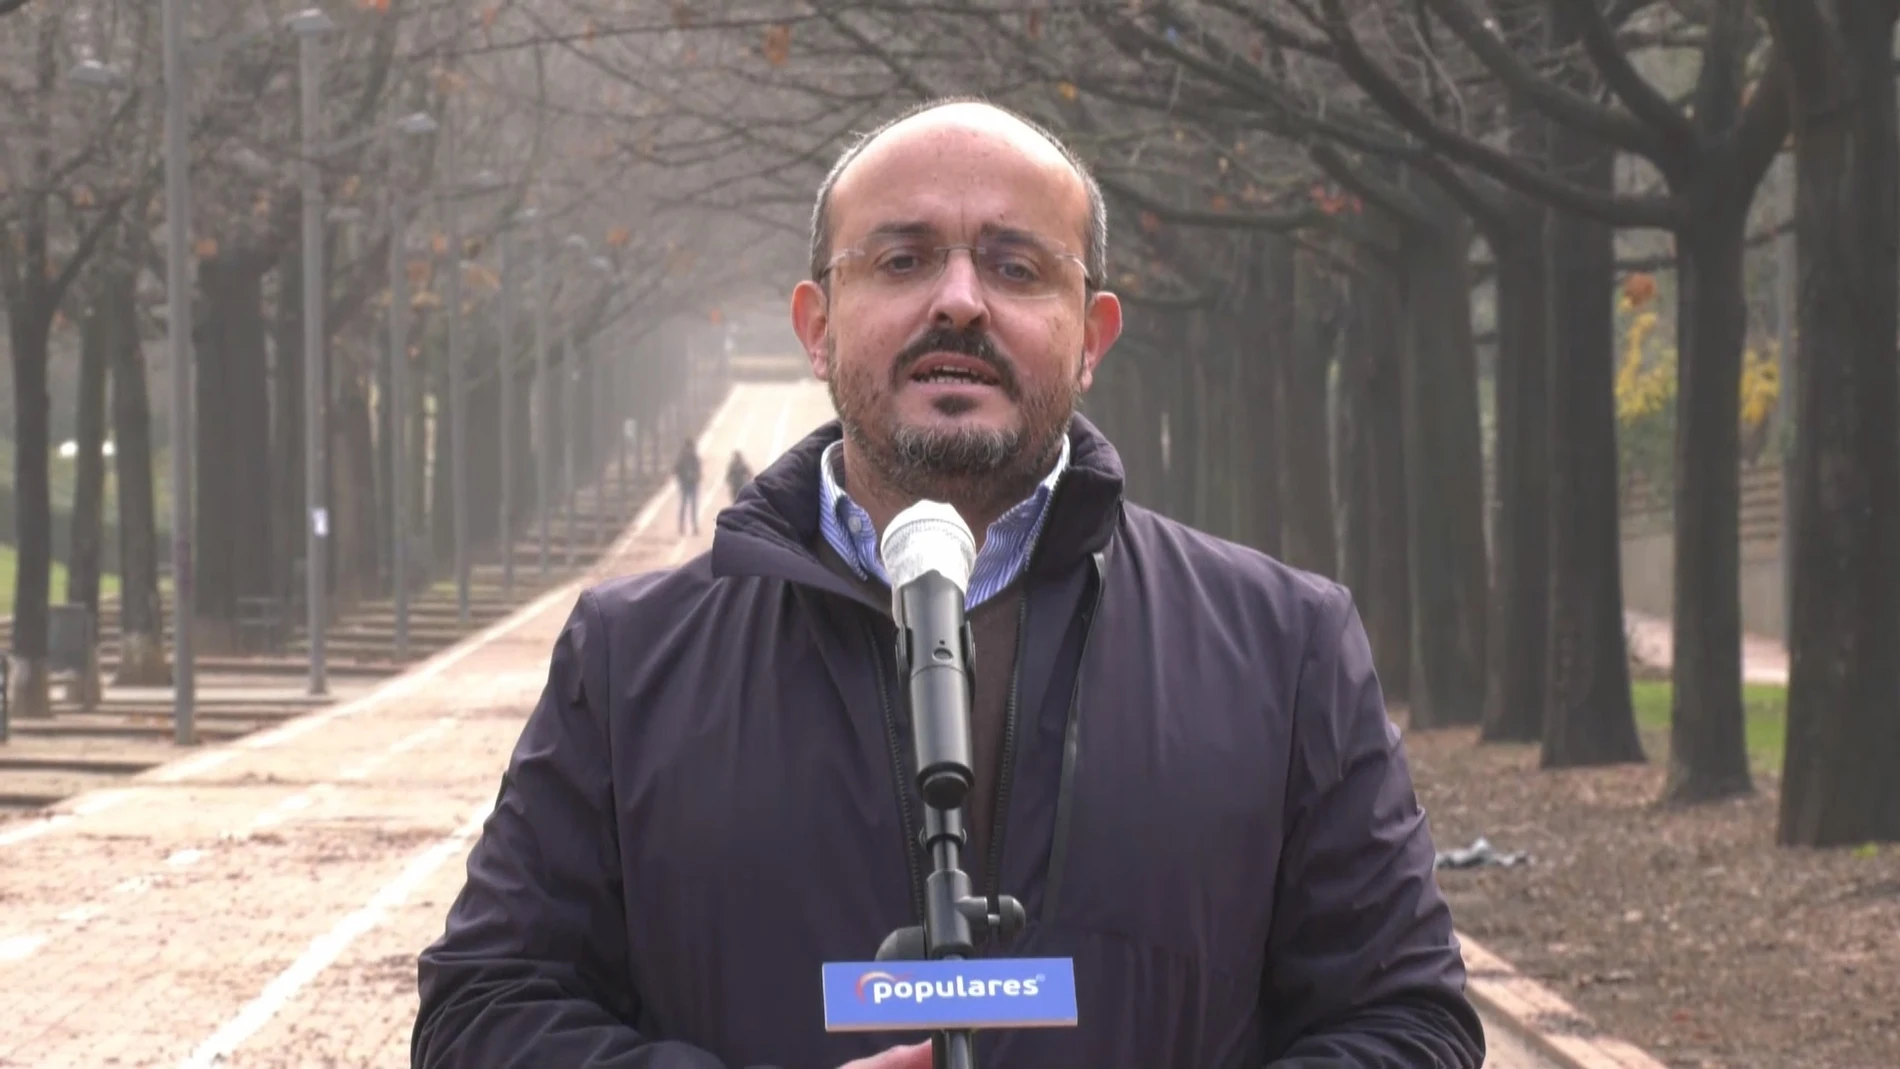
{"x": 986, "y": 467}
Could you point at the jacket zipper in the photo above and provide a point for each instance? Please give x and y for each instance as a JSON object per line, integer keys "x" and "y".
{"x": 1071, "y": 745}
{"x": 912, "y": 833}
{"x": 999, "y": 816}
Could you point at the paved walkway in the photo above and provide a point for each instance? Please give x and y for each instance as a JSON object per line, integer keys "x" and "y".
{"x": 261, "y": 903}
{"x": 1651, "y": 641}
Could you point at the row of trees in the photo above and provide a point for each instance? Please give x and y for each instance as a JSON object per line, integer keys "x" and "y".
{"x": 1311, "y": 189}
{"x": 83, "y": 227}
{"x": 1307, "y": 193}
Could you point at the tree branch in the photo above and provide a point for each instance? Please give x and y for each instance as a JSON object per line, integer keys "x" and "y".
{"x": 1635, "y": 91}
{"x": 1665, "y": 213}
{"x": 1606, "y": 124}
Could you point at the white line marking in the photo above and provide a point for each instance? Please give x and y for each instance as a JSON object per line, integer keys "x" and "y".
{"x": 326, "y": 948}
{"x": 35, "y": 829}
{"x": 15, "y": 947}
{"x": 83, "y": 806}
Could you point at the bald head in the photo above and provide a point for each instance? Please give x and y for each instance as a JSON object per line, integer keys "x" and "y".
{"x": 963, "y": 128}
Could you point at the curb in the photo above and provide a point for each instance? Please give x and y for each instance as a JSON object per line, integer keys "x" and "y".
{"x": 1540, "y": 1017}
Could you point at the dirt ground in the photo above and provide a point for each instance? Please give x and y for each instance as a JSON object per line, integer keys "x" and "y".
{"x": 1686, "y": 932}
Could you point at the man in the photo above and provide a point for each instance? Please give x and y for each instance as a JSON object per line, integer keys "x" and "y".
{"x": 686, "y": 477}
{"x": 738, "y": 474}
{"x": 1185, "y": 770}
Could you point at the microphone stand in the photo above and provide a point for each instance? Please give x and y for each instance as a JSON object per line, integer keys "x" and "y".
{"x": 939, "y": 691}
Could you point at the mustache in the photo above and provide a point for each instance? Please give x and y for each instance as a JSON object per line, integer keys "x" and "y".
{"x": 971, "y": 343}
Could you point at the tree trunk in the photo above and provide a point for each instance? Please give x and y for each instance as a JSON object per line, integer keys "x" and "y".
{"x": 33, "y": 509}
{"x": 353, "y": 528}
{"x": 1843, "y": 750}
{"x": 1707, "y": 755}
{"x": 1306, "y": 479}
{"x": 1589, "y": 719}
{"x": 286, "y": 429}
{"x": 1352, "y": 451}
{"x": 142, "y": 658}
{"x": 1385, "y": 593}
{"x": 234, "y": 514}
{"x": 1444, "y": 473}
{"x": 89, "y": 466}
{"x": 1516, "y": 671}
{"x": 441, "y": 458}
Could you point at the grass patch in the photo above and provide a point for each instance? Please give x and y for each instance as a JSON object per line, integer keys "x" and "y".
{"x": 1764, "y": 708}
{"x": 10, "y": 563}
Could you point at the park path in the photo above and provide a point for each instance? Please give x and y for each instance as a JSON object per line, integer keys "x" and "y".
{"x": 1764, "y": 659}
{"x": 260, "y": 903}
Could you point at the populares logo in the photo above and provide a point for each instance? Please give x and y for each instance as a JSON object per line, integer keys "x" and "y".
{"x": 883, "y": 986}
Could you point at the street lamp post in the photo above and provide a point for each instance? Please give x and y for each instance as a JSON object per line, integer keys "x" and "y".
{"x": 458, "y": 387}
{"x": 569, "y": 403}
{"x": 178, "y": 352}
{"x": 310, "y": 26}
{"x": 419, "y": 124}
{"x": 505, "y": 368}
{"x": 398, "y": 423}
{"x": 543, "y": 410}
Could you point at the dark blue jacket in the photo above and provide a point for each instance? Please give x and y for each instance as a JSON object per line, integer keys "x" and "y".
{"x": 1213, "y": 817}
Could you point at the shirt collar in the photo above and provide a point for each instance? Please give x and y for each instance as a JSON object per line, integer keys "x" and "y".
{"x": 848, "y": 527}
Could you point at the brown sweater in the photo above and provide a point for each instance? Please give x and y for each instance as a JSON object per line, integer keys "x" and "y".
{"x": 993, "y": 626}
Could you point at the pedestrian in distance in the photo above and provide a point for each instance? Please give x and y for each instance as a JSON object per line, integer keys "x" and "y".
{"x": 686, "y": 477}
{"x": 738, "y": 474}
{"x": 1184, "y": 768}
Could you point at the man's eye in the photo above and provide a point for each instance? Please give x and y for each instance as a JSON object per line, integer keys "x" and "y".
{"x": 1016, "y": 269}
{"x": 900, "y": 261}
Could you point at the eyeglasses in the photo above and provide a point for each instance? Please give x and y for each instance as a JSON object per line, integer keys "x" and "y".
{"x": 1019, "y": 268}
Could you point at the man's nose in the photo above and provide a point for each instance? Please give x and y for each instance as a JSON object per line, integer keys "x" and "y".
{"x": 958, "y": 300}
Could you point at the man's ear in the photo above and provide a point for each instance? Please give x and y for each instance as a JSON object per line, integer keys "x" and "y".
{"x": 1101, "y": 325}
{"x": 811, "y": 318}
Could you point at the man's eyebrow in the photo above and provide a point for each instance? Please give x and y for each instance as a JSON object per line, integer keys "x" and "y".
{"x": 901, "y": 229}
{"x": 1010, "y": 235}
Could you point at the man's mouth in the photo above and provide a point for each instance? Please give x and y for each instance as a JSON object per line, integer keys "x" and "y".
{"x": 955, "y": 370}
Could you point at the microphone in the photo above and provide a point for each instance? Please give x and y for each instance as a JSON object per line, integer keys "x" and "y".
{"x": 928, "y": 554}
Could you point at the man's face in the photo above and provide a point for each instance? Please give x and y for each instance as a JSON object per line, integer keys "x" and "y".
{"x": 950, "y": 381}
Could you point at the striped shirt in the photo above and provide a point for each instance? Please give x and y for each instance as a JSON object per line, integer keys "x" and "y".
{"x": 1002, "y": 558}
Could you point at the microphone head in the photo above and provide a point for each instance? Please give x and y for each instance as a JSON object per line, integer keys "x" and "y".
{"x": 928, "y": 536}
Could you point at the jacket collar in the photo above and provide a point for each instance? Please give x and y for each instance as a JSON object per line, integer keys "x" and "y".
{"x": 772, "y": 528}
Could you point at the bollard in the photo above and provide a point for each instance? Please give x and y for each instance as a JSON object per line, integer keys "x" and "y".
{"x": 6, "y": 666}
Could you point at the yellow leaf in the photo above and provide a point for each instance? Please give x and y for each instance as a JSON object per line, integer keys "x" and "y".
{"x": 1067, "y": 90}
{"x": 82, "y": 197}
{"x": 439, "y": 244}
{"x": 1218, "y": 202}
{"x": 618, "y": 237}
{"x": 489, "y": 15}
{"x": 206, "y": 248}
{"x": 350, "y": 186}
